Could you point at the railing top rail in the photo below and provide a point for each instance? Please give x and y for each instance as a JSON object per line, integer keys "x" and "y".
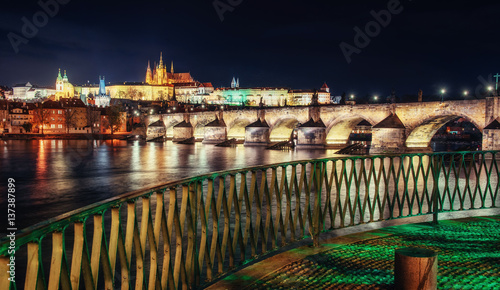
{"x": 60, "y": 222}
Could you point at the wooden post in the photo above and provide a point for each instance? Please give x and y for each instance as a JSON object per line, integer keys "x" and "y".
{"x": 415, "y": 268}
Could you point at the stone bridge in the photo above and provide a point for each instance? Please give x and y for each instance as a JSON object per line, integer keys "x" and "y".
{"x": 397, "y": 128}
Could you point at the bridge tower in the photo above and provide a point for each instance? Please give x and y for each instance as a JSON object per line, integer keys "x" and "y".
{"x": 257, "y": 133}
{"x": 184, "y": 130}
{"x": 312, "y": 134}
{"x": 215, "y": 131}
{"x": 491, "y": 133}
{"x": 388, "y": 136}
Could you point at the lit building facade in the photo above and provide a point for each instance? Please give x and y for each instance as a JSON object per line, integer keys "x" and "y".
{"x": 64, "y": 89}
{"x": 130, "y": 91}
{"x": 269, "y": 96}
{"x": 30, "y": 93}
{"x": 304, "y": 97}
{"x": 249, "y": 96}
{"x": 75, "y": 114}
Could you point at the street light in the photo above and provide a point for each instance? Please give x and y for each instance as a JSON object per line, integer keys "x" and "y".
{"x": 352, "y": 97}
{"x": 443, "y": 91}
{"x": 466, "y": 93}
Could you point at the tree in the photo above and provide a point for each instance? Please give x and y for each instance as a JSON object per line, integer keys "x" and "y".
{"x": 93, "y": 117}
{"x": 41, "y": 116}
{"x": 69, "y": 118}
{"x": 27, "y": 127}
{"x": 114, "y": 118}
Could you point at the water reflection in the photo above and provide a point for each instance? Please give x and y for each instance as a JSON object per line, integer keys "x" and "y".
{"x": 56, "y": 176}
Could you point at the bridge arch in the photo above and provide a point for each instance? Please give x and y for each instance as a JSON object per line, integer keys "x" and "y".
{"x": 169, "y": 124}
{"x": 283, "y": 128}
{"x": 339, "y": 130}
{"x": 420, "y": 135}
{"x": 199, "y": 129}
{"x": 236, "y": 129}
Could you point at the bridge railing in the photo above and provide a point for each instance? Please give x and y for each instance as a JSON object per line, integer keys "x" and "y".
{"x": 186, "y": 233}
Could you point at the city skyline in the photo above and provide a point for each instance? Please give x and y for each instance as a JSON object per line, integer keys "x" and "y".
{"x": 357, "y": 48}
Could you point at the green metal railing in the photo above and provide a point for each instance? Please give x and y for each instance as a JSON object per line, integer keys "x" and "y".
{"x": 186, "y": 233}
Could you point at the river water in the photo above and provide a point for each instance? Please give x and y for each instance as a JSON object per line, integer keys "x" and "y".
{"x": 53, "y": 177}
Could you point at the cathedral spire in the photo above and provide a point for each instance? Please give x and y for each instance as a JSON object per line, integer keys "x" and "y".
{"x": 172, "y": 67}
{"x": 161, "y": 60}
{"x": 149, "y": 75}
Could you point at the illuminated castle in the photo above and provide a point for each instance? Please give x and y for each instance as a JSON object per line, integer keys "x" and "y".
{"x": 160, "y": 76}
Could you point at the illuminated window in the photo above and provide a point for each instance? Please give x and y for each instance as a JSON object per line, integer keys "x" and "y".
{"x": 52, "y": 126}
{"x": 59, "y": 126}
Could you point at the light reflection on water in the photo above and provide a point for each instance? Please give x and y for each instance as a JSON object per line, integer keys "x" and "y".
{"x": 57, "y": 176}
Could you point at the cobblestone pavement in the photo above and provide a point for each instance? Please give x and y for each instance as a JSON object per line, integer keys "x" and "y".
{"x": 468, "y": 258}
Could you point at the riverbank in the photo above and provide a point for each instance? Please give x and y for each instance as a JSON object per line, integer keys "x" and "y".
{"x": 29, "y": 136}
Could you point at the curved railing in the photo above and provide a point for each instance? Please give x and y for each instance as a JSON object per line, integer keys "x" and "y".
{"x": 188, "y": 232}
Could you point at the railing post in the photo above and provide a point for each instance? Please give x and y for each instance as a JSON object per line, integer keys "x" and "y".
{"x": 435, "y": 192}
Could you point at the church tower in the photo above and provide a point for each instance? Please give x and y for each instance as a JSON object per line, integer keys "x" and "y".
{"x": 149, "y": 75}
{"x": 160, "y": 70}
{"x": 172, "y": 67}
{"x": 233, "y": 83}
{"x": 59, "y": 82}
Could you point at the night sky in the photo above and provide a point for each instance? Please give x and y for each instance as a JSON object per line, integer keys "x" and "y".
{"x": 426, "y": 45}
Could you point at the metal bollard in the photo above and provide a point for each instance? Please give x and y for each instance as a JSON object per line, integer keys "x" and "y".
{"x": 415, "y": 268}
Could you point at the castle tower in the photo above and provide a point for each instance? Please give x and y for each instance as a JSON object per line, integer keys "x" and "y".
{"x": 102, "y": 99}
{"x": 149, "y": 75}
{"x": 102, "y": 87}
{"x": 160, "y": 71}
